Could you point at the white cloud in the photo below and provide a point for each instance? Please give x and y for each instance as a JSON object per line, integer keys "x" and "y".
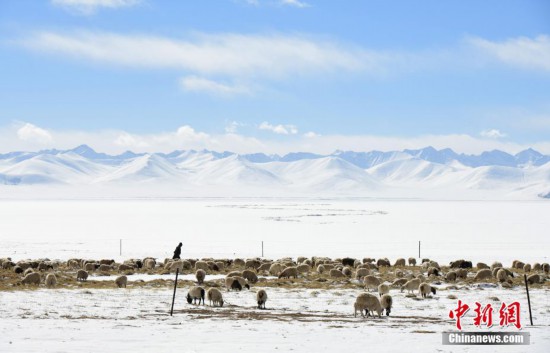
{"x": 88, "y": 7}
{"x": 493, "y": 133}
{"x": 529, "y": 53}
{"x": 32, "y": 133}
{"x": 235, "y": 55}
{"x": 127, "y": 140}
{"x": 295, "y": 3}
{"x": 233, "y": 127}
{"x": 279, "y": 129}
{"x": 311, "y": 134}
{"x": 203, "y": 85}
{"x": 186, "y": 137}
{"x": 187, "y": 133}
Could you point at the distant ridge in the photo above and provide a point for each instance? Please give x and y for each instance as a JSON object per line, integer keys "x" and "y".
{"x": 526, "y": 172}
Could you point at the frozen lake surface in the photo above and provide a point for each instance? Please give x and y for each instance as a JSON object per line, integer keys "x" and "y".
{"x": 475, "y": 230}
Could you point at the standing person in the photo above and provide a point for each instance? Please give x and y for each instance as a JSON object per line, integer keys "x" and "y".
{"x": 177, "y": 252}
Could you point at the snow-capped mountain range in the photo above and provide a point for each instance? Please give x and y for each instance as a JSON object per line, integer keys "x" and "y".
{"x": 361, "y": 173}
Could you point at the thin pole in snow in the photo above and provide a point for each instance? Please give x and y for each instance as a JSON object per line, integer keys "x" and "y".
{"x": 419, "y": 249}
{"x": 175, "y": 286}
{"x": 528, "y": 299}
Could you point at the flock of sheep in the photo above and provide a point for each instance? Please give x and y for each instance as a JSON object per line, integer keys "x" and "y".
{"x": 377, "y": 275}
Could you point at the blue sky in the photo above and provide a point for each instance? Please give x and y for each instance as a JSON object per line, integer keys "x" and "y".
{"x": 274, "y": 75}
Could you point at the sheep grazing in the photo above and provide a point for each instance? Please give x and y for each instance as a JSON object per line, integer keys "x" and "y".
{"x": 334, "y": 273}
{"x": 527, "y": 268}
{"x": 481, "y": 265}
{"x": 321, "y": 269}
{"x": 421, "y": 278}
{"x": 289, "y": 272}
{"x": 174, "y": 266}
{"x": 411, "y": 285}
{"x": 372, "y": 282}
{"x": 412, "y": 261}
{"x": 361, "y": 273}
{"x": 496, "y": 264}
{"x": 399, "y": 282}
{"x": 537, "y": 266}
{"x": 546, "y": 267}
{"x": 461, "y": 273}
{"x": 27, "y": 271}
{"x": 275, "y": 269}
{"x": 90, "y": 267}
{"x": 348, "y": 261}
{"x": 149, "y": 264}
{"x": 200, "y": 275}
{"x": 201, "y": 265}
{"x": 483, "y": 275}
{"x": 303, "y": 268}
{"x": 105, "y": 268}
{"x": 400, "y": 262}
{"x": 194, "y": 294}
{"x": 533, "y": 279}
{"x": 250, "y": 276}
{"x": 261, "y": 298}
{"x": 433, "y": 271}
{"x": 368, "y": 303}
{"x": 386, "y": 301}
{"x": 265, "y": 267}
{"x": 82, "y": 275}
{"x": 252, "y": 263}
{"x": 383, "y": 289}
{"x": 450, "y": 276}
{"x": 215, "y": 297}
{"x": 18, "y": 269}
{"x": 51, "y": 280}
{"x": 383, "y": 262}
{"x": 121, "y": 281}
{"x": 518, "y": 264}
{"x": 425, "y": 289}
{"x": 347, "y": 271}
{"x": 232, "y": 283}
{"x": 31, "y": 278}
{"x": 461, "y": 264}
{"x": 125, "y": 267}
{"x": 502, "y": 275}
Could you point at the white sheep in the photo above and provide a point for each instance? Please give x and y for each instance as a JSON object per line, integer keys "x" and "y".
{"x": 261, "y": 298}
{"x": 201, "y": 265}
{"x": 289, "y": 272}
{"x": 399, "y": 262}
{"x": 502, "y": 275}
{"x": 194, "y": 294}
{"x": 425, "y": 289}
{"x": 399, "y": 282}
{"x": 215, "y": 297}
{"x": 121, "y": 281}
{"x": 200, "y": 275}
{"x": 336, "y": 273}
{"x": 383, "y": 289}
{"x": 386, "y": 301}
{"x": 275, "y": 269}
{"x": 303, "y": 268}
{"x": 90, "y": 267}
{"x": 372, "y": 282}
{"x": 32, "y": 278}
{"x": 81, "y": 275}
{"x": 368, "y": 303}
{"x": 361, "y": 273}
{"x": 483, "y": 274}
{"x": 321, "y": 269}
{"x": 411, "y": 285}
{"x": 51, "y": 280}
{"x": 412, "y": 261}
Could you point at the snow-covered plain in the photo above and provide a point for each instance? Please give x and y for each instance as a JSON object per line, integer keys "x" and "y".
{"x": 301, "y": 320}
{"x": 448, "y": 230}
